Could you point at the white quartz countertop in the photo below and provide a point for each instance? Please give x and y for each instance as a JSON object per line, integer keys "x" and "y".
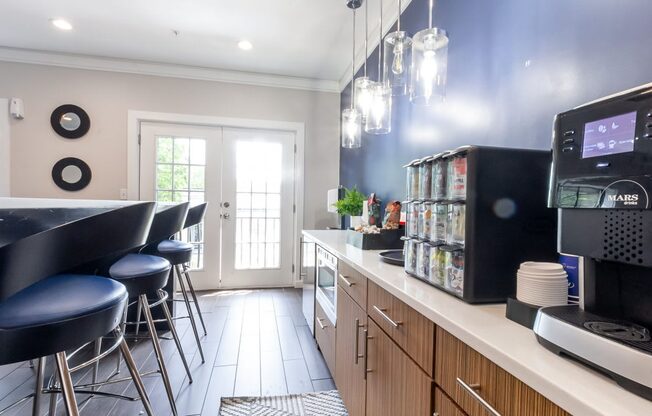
{"x": 576, "y": 388}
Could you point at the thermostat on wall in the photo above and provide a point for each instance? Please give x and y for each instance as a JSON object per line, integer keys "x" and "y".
{"x": 16, "y": 108}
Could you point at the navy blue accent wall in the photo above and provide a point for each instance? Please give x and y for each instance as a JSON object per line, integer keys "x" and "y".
{"x": 513, "y": 65}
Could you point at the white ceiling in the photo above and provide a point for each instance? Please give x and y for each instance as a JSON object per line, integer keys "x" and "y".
{"x": 307, "y": 39}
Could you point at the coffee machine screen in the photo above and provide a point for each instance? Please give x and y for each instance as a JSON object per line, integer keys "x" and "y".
{"x": 609, "y": 136}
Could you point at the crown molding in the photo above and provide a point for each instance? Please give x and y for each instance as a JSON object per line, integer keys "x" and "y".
{"x": 95, "y": 63}
{"x": 388, "y": 22}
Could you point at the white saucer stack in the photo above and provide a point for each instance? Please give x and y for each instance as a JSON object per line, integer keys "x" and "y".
{"x": 542, "y": 284}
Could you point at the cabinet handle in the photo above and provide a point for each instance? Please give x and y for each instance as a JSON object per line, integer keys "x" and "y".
{"x": 472, "y": 389}
{"x": 387, "y": 318}
{"x": 322, "y": 326}
{"x": 346, "y": 280}
{"x": 356, "y": 344}
{"x": 366, "y": 352}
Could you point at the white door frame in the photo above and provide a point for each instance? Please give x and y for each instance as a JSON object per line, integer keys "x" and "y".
{"x": 135, "y": 117}
{"x": 5, "y": 148}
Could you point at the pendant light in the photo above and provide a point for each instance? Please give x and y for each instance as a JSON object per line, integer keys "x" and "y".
{"x": 379, "y": 120}
{"x": 363, "y": 85}
{"x": 429, "y": 64}
{"x": 398, "y": 50}
{"x": 351, "y": 118}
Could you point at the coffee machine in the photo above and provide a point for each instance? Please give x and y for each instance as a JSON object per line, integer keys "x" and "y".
{"x": 601, "y": 185}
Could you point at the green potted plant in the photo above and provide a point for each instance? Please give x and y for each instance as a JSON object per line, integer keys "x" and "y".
{"x": 351, "y": 205}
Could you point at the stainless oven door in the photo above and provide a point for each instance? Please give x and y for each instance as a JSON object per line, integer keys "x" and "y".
{"x": 326, "y": 292}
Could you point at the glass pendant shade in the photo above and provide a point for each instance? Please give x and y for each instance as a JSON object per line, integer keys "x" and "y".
{"x": 429, "y": 66}
{"x": 379, "y": 120}
{"x": 363, "y": 93}
{"x": 398, "y": 58}
{"x": 351, "y": 128}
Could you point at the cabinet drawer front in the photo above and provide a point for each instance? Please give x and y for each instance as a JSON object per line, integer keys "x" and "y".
{"x": 409, "y": 329}
{"x": 480, "y": 387}
{"x": 396, "y": 386}
{"x": 445, "y": 406}
{"x": 325, "y": 336}
{"x": 353, "y": 283}
{"x": 460, "y": 368}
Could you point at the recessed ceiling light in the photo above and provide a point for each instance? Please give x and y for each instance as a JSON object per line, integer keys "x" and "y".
{"x": 61, "y": 24}
{"x": 245, "y": 45}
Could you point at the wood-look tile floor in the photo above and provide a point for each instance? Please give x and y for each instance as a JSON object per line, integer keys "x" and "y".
{"x": 258, "y": 343}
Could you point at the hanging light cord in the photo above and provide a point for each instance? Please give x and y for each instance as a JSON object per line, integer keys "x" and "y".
{"x": 432, "y": 6}
{"x": 380, "y": 42}
{"x": 366, "y": 35}
{"x": 398, "y": 22}
{"x": 353, "y": 64}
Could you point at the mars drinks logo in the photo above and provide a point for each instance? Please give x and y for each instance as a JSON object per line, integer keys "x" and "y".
{"x": 626, "y": 199}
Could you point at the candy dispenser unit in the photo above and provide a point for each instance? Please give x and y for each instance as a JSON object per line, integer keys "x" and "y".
{"x": 488, "y": 214}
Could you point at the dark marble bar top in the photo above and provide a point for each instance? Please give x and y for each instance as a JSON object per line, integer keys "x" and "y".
{"x": 43, "y": 237}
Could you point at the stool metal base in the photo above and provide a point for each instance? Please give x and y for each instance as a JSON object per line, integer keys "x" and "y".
{"x": 182, "y": 287}
{"x": 61, "y": 382}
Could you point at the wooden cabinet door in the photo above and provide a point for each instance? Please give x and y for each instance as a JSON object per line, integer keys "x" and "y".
{"x": 396, "y": 386}
{"x": 349, "y": 357}
{"x": 413, "y": 332}
{"x": 445, "y": 406}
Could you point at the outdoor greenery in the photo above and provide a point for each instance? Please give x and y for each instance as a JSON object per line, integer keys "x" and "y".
{"x": 179, "y": 171}
{"x": 352, "y": 202}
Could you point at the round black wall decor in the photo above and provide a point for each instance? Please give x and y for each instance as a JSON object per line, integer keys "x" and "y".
{"x": 70, "y": 121}
{"x": 71, "y": 174}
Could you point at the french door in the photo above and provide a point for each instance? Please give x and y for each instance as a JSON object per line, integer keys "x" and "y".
{"x": 247, "y": 178}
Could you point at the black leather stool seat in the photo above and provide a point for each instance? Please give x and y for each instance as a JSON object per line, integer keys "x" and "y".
{"x": 177, "y": 252}
{"x": 141, "y": 273}
{"x": 59, "y": 313}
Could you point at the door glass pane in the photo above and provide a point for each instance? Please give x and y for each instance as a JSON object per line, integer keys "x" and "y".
{"x": 180, "y": 177}
{"x": 258, "y": 205}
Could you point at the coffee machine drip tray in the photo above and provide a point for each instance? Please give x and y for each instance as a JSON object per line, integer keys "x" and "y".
{"x": 621, "y": 350}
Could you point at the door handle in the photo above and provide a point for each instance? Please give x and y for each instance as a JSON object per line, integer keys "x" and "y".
{"x": 356, "y": 345}
{"x": 472, "y": 389}
{"x": 366, "y": 368}
{"x": 387, "y": 318}
{"x": 346, "y": 280}
{"x": 226, "y": 204}
{"x": 226, "y": 216}
{"x": 322, "y": 326}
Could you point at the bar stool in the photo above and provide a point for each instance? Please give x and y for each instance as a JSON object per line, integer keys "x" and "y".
{"x": 144, "y": 274}
{"x": 61, "y": 313}
{"x": 179, "y": 255}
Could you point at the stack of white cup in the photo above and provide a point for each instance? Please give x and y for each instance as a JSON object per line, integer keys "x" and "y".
{"x": 542, "y": 284}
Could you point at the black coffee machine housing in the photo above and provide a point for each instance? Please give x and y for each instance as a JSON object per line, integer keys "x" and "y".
{"x": 601, "y": 183}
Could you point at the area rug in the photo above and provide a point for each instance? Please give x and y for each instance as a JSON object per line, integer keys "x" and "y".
{"x": 323, "y": 403}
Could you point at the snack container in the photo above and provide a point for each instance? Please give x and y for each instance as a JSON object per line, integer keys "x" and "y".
{"x": 437, "y": 273}
{"x": 438, "y": 223}
{"x": 410, "y": 256}
{"x": 412, "y": 180}
{"x": 455, "y": 224}
{"x": 439, "y": 172}
{"x": 455, "y": 272}
{"x": 425, "y": 178}
{"x": 412, "y": 220}
{"x": 456, "y": 178}
{"x": 425, "y": 220}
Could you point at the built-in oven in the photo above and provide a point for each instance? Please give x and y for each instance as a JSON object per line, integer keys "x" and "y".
{"x": 326, "y": 285}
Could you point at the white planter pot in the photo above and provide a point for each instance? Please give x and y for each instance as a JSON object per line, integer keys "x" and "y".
{"x": 356, "y": 220}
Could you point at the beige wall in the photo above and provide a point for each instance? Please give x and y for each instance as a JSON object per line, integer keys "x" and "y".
{"x": 108, "y": 96}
